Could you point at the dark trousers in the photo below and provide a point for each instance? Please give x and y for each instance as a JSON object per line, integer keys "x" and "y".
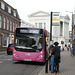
{"x": 56, "y": 64}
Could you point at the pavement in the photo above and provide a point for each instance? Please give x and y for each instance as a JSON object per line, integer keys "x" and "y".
{"x": 67, "y": 65}
{"x": 2, "y": 52}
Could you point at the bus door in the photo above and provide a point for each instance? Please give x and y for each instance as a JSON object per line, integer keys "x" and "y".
{"x": 45, "y": 46}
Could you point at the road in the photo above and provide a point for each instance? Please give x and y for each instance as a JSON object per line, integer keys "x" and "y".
{"x": 10, "y": 67}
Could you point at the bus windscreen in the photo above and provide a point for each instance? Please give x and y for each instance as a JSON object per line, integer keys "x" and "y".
{"x": 28, "y": 40}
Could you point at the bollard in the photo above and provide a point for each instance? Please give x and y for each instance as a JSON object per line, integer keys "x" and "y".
{"x": 46, "y": 67}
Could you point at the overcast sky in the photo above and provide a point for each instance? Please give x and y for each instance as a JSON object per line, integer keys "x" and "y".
{"x": 26, "y": 7}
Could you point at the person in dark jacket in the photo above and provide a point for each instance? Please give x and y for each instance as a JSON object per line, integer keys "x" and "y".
{"x": 56, "y": 56}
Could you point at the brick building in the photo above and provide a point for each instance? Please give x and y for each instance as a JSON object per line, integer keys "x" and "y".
{"x": 9, "y": 19}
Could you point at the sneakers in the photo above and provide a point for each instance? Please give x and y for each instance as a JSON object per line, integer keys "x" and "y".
{"x": 53, "y": 73}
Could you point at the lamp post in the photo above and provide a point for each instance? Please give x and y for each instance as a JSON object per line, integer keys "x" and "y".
{"x": 51, "y": 28}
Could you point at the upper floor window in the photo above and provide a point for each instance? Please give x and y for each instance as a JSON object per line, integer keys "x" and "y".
{"x": 14, "y": 13}
{"x": 40, "y": 25}
{"x": 2, "y": 5}
{"x": 10, "y": 25}
{"x": 44, "y": 25}
{"x": 9, "y": 10}
{"x": 13, "y": 26}
{"x": 0, "y": 21}
{"x": 36, "y": 25}
{"x": 7, "y": 24}
{"x": 4, "y": 22}
{"x": 16, "y": 24}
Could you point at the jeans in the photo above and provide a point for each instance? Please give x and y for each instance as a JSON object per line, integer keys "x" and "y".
{"x": 52, "y": 63}
{"x": 71, "y": 51}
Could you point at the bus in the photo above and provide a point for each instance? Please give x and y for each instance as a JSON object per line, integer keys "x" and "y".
{"x": 30, "y": 44}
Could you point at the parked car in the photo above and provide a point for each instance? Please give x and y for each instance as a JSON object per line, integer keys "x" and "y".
{"x": 9, "y": 49}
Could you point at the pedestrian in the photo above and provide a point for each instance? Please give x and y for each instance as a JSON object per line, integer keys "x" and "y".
{"x": 56, "y": 57}
{"x": 65, "y": 48}
{"x": 71, "y": 50}
{"x": 51, "y": 54}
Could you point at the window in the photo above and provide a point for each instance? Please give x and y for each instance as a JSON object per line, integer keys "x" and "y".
{"x": 9, "y": 10}
{"x": 5, "y": 40}
{"x": 40, "y": 25}
{"x": 7, "y": 24}
{"x": 14, "y": 13}
{"x": 4, "y": 22}
{"x": 13, "y": 26}
{"x": 2, "y": 5}
{"x": 0, "y": 21}
{"x": 44, "y": 25}
{"x": 0, "y": 40}
{"x": 10, "y": 25}
{"x": 16, "y": 24}
{"x": 36, "y": 25}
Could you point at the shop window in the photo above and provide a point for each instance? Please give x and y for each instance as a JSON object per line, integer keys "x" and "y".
{"x": 5, "y": 40}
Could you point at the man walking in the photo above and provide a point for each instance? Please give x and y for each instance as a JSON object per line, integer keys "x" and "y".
{"x": 56, "y": 57}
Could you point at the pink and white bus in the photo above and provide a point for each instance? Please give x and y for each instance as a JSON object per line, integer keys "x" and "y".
{"x": 30, "y": 44}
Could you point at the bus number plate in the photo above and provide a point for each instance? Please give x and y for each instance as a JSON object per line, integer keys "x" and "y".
{"x": 27, "y": 59}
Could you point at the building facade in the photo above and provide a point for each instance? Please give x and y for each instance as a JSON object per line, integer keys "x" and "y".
{"x": 60, "y": 33}
{"x": 26, "y": 24}
{"x": 9, "y": 19}
{"x": 40, "y": 19}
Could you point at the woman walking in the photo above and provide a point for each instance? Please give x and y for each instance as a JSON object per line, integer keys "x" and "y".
{"x": 51, "y": 54}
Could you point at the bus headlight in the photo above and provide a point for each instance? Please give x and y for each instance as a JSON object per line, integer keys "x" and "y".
{"x": 40, "y": 56}
{"x": 15, "y": 55}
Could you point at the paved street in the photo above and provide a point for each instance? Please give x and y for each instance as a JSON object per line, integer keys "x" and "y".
{"x": 67, "y": 65}
{"x": 10, "y": 67}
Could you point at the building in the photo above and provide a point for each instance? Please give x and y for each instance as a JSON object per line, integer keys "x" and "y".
{"x": 40, "y": 19}
{"x": 26, "y": 24}
{"x": 60, "y": 33}
{"x": 9, "y": 19}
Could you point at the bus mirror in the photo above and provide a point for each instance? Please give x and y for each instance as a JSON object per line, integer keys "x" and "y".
{"x": 46, "y": 39}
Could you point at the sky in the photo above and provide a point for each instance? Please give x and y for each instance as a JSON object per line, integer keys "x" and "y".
{"x": 26, "y": 7}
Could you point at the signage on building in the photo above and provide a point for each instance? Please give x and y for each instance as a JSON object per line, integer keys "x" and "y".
{"x": 12, "y": 37}
{"x": 55, "y": 18}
